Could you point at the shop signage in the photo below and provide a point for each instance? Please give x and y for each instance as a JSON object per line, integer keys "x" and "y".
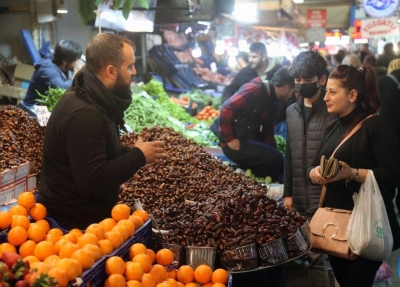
{"x": 380, "y": 8}
{"x": 379, "y": 27}
{"x": 316, "y": 18}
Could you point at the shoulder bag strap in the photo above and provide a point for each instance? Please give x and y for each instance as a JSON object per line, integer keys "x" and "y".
{"x": 349, "y": 135}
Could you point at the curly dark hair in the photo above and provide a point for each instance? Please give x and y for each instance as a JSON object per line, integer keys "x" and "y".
{"x": 282, "y": 78}
{"x": 307, "y": 65}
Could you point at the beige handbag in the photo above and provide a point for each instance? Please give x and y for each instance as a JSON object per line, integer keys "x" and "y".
{"x": 328, "y": 225}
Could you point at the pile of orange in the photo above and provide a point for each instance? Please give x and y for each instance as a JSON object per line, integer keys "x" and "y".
{"x": 50, "y": 250}
{"x": 149, "y": 269}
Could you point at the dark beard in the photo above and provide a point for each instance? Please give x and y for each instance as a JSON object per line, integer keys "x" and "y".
{"x": 121, "y": 89}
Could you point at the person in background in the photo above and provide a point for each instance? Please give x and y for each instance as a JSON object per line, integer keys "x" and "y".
{"x": 259, "y": 66}
{"x": 246, "y": 123}
{"x": 364, "y": 52}
{"x": 387, "y": 56}
{"x": 389, "y": 91}
{"x": 337, "y": 60}
{"x": 306, "y": 121}
{"x": 84, "y": 162}
{"x": 351, "y": 59}
{"x": 371, "y": 60}
{"x": 329, "y": 66}
{"x": 352, "y": 94}
{"x": 55, "y": 72}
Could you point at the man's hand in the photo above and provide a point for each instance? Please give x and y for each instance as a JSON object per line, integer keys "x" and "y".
{"x": 153, "y": 151}
{"x": 234, "y": 144}
{"x": 288, "y": 202}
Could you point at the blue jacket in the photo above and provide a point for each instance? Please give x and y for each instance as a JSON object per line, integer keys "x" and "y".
{"x": 47, "y": 74}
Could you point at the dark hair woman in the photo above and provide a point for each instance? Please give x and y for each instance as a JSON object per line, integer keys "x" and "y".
{"x": 352, "y": 94}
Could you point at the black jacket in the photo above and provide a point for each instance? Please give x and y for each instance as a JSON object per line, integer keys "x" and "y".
{"x": 84, "y": 162}
{"x": 372, "y": 147}
{"x": 244, "y": 76}
{"x": 390, "y": 94}
{"x": 302, "y": 143}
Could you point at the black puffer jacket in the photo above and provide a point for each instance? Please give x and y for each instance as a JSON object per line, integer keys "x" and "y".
{"x": 301, "y": 149}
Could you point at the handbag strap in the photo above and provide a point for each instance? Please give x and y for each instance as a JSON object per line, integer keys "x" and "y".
{"x": 349, "y": 135}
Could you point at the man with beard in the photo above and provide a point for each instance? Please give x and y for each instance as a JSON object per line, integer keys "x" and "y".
{"x": 259, "y": 66}
{"x": 84, "y": 162}
{"x": 54, "y": 73}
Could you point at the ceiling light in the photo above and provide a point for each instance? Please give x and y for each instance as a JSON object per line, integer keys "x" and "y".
{"x": 62, "y": 9}
{"x": 298, "y": 1}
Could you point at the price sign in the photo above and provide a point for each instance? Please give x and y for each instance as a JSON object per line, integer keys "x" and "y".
{"x": 42, "y": 114}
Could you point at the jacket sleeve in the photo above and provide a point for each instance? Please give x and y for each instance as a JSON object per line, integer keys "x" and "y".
{"x": 235, "y": 85}
{"x": 53, "y": 78}
{"x": 288, "y": 180}
{"x": 85, "y": 134}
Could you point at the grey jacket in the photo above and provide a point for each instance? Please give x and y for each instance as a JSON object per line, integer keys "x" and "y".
{"x": 301, "y": 148}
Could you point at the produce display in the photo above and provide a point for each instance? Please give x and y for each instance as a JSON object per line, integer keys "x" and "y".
{"x": 21, "y": 139}
{"x": 209, "y": 76}
{"x": 200, "y": 201}
{"x": 51, "y": 97}
{"x": 202, "y": 99}
{"x": 184, "y": 102}
{"x": 208, "y": 113}
{"x": 280, "y": 143}
{"x": 184, "y": 56}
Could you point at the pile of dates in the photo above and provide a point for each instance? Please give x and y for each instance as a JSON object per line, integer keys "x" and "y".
{"x": 21, "y": 139}
{"x": 202, "y": 202}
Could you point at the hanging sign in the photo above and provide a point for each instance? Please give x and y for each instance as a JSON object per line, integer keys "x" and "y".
{"x": 379, "y": 27}
{"x": 316, "y": 18}
{"x": 380, "y": 8}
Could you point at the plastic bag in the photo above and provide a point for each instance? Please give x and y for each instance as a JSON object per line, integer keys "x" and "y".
{"x": 368, "y": 232}
{"x": 384, "y": 273}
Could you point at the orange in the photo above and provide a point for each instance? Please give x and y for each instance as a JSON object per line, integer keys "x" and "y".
{"x": 218, "y": 285}
{"x": 161, "y": 271}
{"x": 172, "y": 274}
{"x": 17, "y": 235}
{"x": 156, "y": 275}
{"x": 137, "y": 248}
{"x": 96, "y": 229}
{"x": 191, "y": 285}
{"x": 180, "y": 284}
{"x": 128, "y": 224}
{"x": 26, "y": 199}
{"x": 162, "y": 284}
{"x": 138, "y": 221}
{"x": 142, "y": 214}
{"x": 51, "y": 260}
{"x": 60, "y": 275}
{"x": 36, "y": 233}
{"x": 121, "y": 229}
{"x": 52, "y": 238}
{"x": 152, "y": 255}
{"x": 94, "y": 250}
{"x": 70, "y": 237}
{"x": 144, "y": 260}
{"x": 115, "y": 265}
{"x": 107, "y": 224}
{"x": 87, "y": 238}
{"x": 115, "y": 280}
{"x": 56, "y": 231}
{"x": 148, "y": 280}
{"x": 7, "y": 247}
{"x": 120, "y": 211}
{"x": 44, "y": 249}
{"x": 164, "y": 257}
{"x": 31, "y": 259}
{"x": 133, "y": 283}
{"x": 185, "y": 274}
{"x": 60, "y": 243}
{"x": 38, "y": 211}
{"x": 84, "y": 258}
{"x": 18, "y": 210}
{"x": 44, "y": 223}
{"x": 5, "y": 219}
{"x": 20, "y": 220}
{"x": 40, "y": 267}
{"x": 209, "y": 284}
{"x": 203, "y": 274}
{"x": 106, "y": 246}
{"x": 77, "y": 232}
{"x": 220, "y": 276}
{"x": 67, "y": 250}
{"x": 172, "y": 282}
{"x": 133, "y": 271}
{"x": 115, "y": 238}
{"x": 71, "y": 266}
{"x": 27, "y": 248}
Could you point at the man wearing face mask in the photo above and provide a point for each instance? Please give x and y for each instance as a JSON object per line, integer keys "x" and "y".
{"x": 246, "y": 123}
{"x": 306, "y": 120}
{"x": 84, "y": 162}
{"x": 259, "y": 66}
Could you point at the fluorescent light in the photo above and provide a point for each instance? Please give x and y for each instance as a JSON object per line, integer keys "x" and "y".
{"x": 303, "y": 45}
{"x": 360, "y": 41}
{"x": 246, "y": 12}
{"x": 298, "y": 1}
{"x": 203, "y": 23}
{"x": 62, "y": 9}
{"x": 196, "y": 52}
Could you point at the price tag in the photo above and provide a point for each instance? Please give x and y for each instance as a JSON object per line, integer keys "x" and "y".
{"x": 42, "y": 114}
{"x": 19, "y": 188}
{"x": 137, "y": 204}
{"x": 6, "y": 195}
{"x": 7, "y": 176}
{"x": 22, "y": 171}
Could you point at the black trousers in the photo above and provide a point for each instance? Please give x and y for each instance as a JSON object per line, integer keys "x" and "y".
{"x": 354, "y": 273}
{"x": 262, "y": 159}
